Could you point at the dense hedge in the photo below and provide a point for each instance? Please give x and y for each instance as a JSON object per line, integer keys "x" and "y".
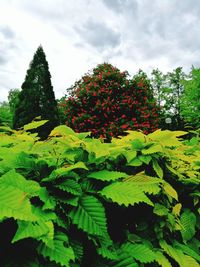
{"x": 75, "y": 201}
{"x": 107, "y": 103}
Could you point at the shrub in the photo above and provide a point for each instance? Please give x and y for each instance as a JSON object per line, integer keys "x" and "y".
{"x": 75, "y": 201}
{"x": 107, "y": 103}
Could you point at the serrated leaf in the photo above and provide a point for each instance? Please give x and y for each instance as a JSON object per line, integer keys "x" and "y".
{"x": 187, "y": 250}
{"x": 145, "y": 158}
{"x": 12, "y": 178}
{"x": 77, "y": 248}
{"x": 90, "y": 216}
{"x": 140, "y": 252}
{"x": 177, "y": 209}
{"x": 125, "y": 193}
{"x": 34, "y": 125}
{"x": 64, "y": 171}
{"x": 169, "y": 190}
{"x": 62, "y": 130}
{"x": 141, "y": 178}
{"x": 70, "y": 186}
{"x": 162, "y": 260}
{"x": 15, "y": 204}
{"x": 105, "y": 175}
{"x": 175, "y": 254}
{"x": 157, "y": 168}
{"x": 31, "y": 229}
{"x": 125, "y": 260}
{"x": 137, "y": 145}
{"x": 188, "y": 222}
{"x": 136, "y": 162}
{"x": 160, "y": 210}
{"x": 130, "y": 155}
{"x": 107, "y": 253}
{"x": 60, "y": 253}
{"x": 153, "y": 149}
{"x": 166, "y": 138}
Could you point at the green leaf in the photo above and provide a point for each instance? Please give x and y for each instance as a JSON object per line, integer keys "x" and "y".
{"x": 157, "y": 168}
{"x": 145, "y": 158}
{"x": 12, "y": 178}
{"x": 90, "y": 216}
{"x": 59, "y": 253}
{"x": 107, "y": 175}
{"x": 125, "y": 260}
{"x": 175, "y": 254}
{"x": 153, "y": 149}
{"x": 70, "y": 186}
{"x": 107, "y": 253}
{"x": 160, "y": 210}
{"x": 162, "y": 260}
{"x": 34, "y": 125}
{"x": 15, "y": 204}
{"x": 137, "y": 145}
{"x": 130, "y": 155}
{"x": 31, "y": 229}
{"x": 142, "y": 179}
{"x": 64, "y": 171}
{"x": 140, "y": 252}
{"x": 169, "y": 190}
{"x": 177, "y": 209}
{"x": 77, "y": 248}
{"x": 178, "y": 255}
{"x": 188, "y": 222}
{"x": 62, "y": 130}
{"x": 136, "y": 162}
{"x": 125, "y": 193}
{"x": 167, "y": 138}
{"x": 187, "y": 250}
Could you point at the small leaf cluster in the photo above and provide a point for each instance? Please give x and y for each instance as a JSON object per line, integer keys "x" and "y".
{"x": 75, "y": 201}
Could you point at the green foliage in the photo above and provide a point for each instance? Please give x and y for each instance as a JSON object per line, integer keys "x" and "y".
{"x": 36, "y": 97}
{"x": 190, "y": 100}
{"x": 75, "y": 201}
{"x": 106, "y": 103}
{"x": 168, "y": 90}
{"x": 5, "y": 114}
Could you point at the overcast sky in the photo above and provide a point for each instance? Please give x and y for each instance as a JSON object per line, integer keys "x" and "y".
{"x": 79, "y": 34}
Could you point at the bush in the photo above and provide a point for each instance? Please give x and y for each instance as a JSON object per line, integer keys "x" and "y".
{"x": 107, "y": 103}
{"x": 75, "y": 201}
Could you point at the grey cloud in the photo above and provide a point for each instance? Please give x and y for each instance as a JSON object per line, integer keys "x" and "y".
{"x": 7, "y": 32}
{"x": 120, "y": 6}
{"x": 3, "y": 60}
{"x": 99, "y": 35}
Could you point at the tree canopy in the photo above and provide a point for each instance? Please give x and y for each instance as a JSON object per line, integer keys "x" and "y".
{"x": 37, "y": 96}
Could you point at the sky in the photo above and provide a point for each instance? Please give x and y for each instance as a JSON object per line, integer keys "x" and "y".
{"x": 76, "y": 35}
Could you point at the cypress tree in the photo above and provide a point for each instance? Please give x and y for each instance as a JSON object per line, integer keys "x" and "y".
{"x": 37, "y": 96}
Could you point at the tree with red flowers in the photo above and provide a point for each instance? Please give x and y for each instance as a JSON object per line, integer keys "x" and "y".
{"x": 107, "y": 103}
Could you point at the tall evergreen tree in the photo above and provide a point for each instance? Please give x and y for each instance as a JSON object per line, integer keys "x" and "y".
{"x": 37, "y": 96}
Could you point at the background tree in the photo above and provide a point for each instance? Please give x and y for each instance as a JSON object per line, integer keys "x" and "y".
{"x": 5, "y": 114}
{"x": 37, "y": 96}
{"x": 175, "y": 84}
{"x": 190, "y": 100}
{"x": 13, "y": 99}
{"x": 107, "y": 103}
{"x": 168, "y": 89}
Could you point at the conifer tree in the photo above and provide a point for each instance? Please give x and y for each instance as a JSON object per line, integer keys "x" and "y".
{"x": 37, "y": 96}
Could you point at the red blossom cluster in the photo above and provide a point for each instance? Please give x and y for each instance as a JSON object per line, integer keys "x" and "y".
{"x": 107, "y": 104}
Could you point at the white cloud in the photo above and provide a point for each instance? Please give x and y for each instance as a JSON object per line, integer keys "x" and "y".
{"x": 78, "y": 35}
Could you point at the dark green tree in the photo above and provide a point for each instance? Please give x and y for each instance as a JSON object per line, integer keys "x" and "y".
{"x": 37, "y": 96}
